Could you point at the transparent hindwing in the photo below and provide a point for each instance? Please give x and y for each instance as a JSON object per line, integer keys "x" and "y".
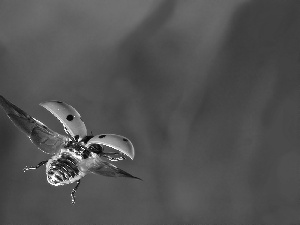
{"x": 43, "y": 137}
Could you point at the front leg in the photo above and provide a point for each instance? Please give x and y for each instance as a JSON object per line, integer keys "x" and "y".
{"x": 34, "y": 167}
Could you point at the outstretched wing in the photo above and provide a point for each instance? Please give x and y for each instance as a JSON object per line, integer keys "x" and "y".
{"x": 117, "y": 142}
{"x": 68, "y": 116}
{"x": 98, "y": 166}
{"x": 44, "y": 138}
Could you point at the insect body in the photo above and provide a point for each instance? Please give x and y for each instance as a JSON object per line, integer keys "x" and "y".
{"x": 74, "y": 155}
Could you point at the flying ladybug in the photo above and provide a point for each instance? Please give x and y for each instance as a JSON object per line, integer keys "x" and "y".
{"x": 73, "y": 155}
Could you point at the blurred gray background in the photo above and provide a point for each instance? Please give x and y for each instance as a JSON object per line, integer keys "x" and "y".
{"x": 207, "y": 90}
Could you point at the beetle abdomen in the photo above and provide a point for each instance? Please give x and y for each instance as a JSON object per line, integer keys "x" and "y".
{"x": 63, "y": 169}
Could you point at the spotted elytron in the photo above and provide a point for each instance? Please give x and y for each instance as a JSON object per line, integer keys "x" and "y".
{"x": 74, "y": 155}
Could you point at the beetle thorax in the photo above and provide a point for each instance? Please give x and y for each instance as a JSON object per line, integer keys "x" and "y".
{"x": 63, "y": 168}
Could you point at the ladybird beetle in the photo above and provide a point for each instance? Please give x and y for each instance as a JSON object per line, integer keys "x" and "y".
{"x": 73, "y": 155}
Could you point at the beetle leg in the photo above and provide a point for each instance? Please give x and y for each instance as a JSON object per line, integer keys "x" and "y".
{"x": 74, "y": 191}
{"x": 109, "y": 154}
{"x": 34, "y": 167}
{"x": 113, "y": 158}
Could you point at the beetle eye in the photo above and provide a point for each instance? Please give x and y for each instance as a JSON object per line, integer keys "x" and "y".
{"x": 85, "y": 154}
{"x": 96, "y": 148}
{"x": 76, "y": 137}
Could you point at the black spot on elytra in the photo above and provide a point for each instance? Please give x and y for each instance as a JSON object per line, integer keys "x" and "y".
{"x": 59, "y": 102}
{"x": 102, "y": 136}
{"x": 124, "y": 139}
{"x": 70, "y": 117}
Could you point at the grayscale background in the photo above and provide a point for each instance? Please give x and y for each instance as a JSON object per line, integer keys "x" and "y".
{"x": 207, "y": 90}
